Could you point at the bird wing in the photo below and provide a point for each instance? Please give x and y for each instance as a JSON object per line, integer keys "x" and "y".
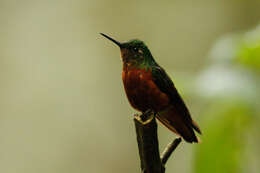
{"x": 165, "y": 84}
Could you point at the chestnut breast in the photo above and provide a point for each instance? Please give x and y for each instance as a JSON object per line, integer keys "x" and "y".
{"x": 142, "y": 92}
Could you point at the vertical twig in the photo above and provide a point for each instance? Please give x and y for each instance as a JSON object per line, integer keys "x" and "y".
{"x": 146, "y": 131}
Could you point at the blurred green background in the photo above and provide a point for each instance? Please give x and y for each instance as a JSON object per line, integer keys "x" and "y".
{"x": 62, "y": 103}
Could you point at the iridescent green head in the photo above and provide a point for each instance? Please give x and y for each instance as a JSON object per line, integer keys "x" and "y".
{"x": 134, "y": 52}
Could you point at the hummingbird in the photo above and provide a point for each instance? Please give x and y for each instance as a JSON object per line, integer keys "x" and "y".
{"x": 148, "y": 87}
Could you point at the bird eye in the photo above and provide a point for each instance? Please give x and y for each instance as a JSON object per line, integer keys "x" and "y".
{"x": 135, "y": 49}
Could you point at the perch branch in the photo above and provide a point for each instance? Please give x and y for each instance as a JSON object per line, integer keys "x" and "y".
{"x": 146, "y": 131}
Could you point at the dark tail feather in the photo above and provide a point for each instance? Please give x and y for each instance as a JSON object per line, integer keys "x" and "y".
{"x": 196, "y": 127}
{"x": 176, "y": 123}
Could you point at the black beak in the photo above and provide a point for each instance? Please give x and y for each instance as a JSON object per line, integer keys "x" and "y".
{"x": 109, "y": 38}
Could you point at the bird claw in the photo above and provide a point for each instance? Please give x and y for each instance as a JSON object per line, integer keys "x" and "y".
{"x": 146, "y": 115}
{"x": 148, "y": 112}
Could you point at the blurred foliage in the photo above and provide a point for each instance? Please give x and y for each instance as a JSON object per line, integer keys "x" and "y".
{"x": 231, "y": 83}
{"x": 249, "y": 53}
{"x": 223, "y": 147}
